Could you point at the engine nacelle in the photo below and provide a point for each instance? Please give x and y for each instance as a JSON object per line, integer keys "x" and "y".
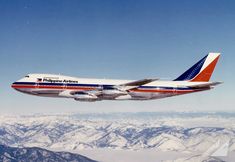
{"x": 124, "y": 97}
{"x": 85, "y": 100}
{"x": 86, "y": 97}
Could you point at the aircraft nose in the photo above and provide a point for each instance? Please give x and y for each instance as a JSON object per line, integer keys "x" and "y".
{"x": 16, "y": 86}
{"x": 13, "y": 85}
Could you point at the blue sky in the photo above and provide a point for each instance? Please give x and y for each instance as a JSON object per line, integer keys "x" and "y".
{"x": 125, "y": 39}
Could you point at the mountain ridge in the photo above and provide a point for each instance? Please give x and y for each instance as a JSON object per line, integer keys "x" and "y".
{"x": 70, "y": 133}
{"x": 36, "y": 154}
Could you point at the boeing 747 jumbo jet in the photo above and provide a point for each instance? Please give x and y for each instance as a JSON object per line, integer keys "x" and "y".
{"x": 195, "y": 79}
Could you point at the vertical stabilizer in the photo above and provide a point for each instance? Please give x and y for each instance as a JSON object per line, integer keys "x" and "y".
{"x": 202, "y": 70}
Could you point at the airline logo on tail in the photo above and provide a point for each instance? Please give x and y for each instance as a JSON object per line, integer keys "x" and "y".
{"x": 202, "y": 70}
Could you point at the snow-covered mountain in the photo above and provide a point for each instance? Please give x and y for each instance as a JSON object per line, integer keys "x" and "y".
{"x": 35, "y": 154}
{"x": 119, "y": 131}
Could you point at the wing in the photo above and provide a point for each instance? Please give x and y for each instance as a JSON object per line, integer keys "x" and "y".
{"x": 139, "y": 82}
{"x": 134, "y": 84}
{"x": 110, "y": 92}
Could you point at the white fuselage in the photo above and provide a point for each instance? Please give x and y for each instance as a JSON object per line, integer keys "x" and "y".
{"x": 84, "y": 89}
{"x": 195, "y": 79}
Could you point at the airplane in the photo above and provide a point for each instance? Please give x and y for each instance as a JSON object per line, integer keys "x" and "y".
{"x": 195, "y": 79}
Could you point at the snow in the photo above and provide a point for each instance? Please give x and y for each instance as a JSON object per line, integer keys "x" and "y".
{"x": 190, "y": 133}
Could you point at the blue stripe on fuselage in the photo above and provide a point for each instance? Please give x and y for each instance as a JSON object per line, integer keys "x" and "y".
{"x": 106, "y": 87}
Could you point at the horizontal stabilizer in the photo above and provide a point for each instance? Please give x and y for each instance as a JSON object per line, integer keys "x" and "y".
{"x": 205, "y": 85}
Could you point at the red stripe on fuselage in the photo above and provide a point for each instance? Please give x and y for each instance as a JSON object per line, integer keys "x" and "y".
{"x": 92, "y": 88}
{"x": 51, "y": 87}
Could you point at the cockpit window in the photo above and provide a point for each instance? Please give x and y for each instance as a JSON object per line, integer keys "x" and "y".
{"x": 26, "y": 76}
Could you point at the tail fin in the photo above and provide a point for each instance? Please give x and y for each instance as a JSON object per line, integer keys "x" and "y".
{"x": 202, "y": 70}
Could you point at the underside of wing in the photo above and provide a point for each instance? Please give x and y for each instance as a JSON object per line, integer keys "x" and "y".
{"x": 81, "y": 95}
